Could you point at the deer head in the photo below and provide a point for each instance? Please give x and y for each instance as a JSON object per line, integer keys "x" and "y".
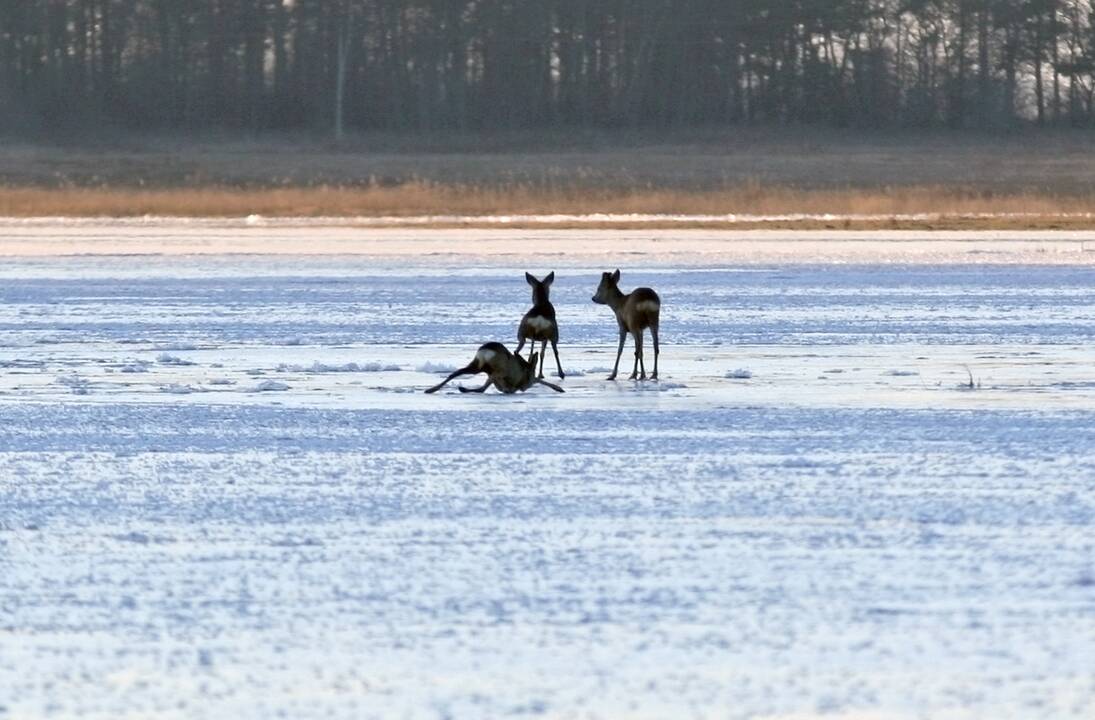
{"x": 608, "y": 288}
{"x": 514, "y": 373}
{"x": 540, "y": 288}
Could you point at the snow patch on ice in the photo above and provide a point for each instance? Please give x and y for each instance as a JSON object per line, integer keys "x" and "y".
{"x": 659, "y": 386}
{"x": 178, "y": 389}
{"x": 270, "y": 386}
{"x": 141, "y": 538}
{"x": 133, "y": 537}
{"x": 290, "y": 542}
{"x": 176, "y": 347}
{"x": 318, "y": 367}
{"x": 799, "y": 462}
{"x": 78, "y": 385}
{"x": 21, "y": 364}
{"x": 439, "y": 368}
{"x": 167, "y": 359}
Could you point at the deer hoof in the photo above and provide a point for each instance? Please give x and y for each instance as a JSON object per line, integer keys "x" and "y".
{"x": 611, "y": 377}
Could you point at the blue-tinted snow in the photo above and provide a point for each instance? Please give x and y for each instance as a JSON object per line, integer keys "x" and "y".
{"x": 844, "y": 528}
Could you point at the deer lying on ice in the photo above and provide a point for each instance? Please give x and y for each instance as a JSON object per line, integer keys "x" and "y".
{"x": 506, "y": 371}
{"x": 539, "y": 323}
{"x": 635, "y": 312}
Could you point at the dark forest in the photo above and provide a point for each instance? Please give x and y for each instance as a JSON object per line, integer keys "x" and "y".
{"x": 472, "y": 65}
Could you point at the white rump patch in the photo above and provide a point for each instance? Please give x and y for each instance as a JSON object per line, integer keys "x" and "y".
{"x": 648, "y": 305}
{"x": 539, "y": 322}
{"x": 485, "y": 356}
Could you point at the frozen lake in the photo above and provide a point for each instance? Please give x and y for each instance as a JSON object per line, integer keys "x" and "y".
{"x": 223, "y": 493}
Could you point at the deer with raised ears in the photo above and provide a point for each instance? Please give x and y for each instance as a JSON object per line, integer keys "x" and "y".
{"x": 506, "y": 371}
{"x": 539, "y": 323}
{"x": 635, "y": 312}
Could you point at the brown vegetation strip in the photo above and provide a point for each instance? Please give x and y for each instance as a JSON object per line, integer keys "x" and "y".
{"x": 949, "y": 207}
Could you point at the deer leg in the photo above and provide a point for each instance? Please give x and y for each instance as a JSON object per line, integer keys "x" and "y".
{"x": 471, "y": 368}
{"x": 558, "y": 366}
{"x": 619, "y": 352}
{"x": 520, "y": 343}
{"x": 486, "y": 385}
{"x": 654, "y": 336}
{"x": 638, "y": 356}
{"x": 553, "y": 386}
{"x": 543, "y": 350}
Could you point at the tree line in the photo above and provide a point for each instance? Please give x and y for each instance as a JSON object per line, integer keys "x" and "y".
{"x": 426, "y": 65}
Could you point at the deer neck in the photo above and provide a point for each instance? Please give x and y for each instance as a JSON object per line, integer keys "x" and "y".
{"x": 616, "y": 300}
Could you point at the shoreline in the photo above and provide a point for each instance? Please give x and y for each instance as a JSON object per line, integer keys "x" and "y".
{"x": 930, "y": 222}
{"x": 148, "y": 237}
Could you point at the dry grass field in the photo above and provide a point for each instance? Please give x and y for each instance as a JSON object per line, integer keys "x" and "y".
{"x": 1047, "y": 178}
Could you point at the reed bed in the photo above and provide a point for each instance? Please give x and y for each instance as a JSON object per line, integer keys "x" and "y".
{"x": 947, "y": 206}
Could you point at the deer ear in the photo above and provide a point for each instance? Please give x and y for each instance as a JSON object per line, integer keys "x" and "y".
{"x": 530, "y": 279}
{"x": 616, "y": 276}
{"x": 550, "y": 278}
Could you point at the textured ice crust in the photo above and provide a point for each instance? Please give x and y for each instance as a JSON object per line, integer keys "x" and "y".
{"x": 224, "y": 494}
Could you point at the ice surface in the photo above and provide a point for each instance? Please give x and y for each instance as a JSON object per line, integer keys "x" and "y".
{"x": 437, "y": 250}
{"x": 848, "y": 533}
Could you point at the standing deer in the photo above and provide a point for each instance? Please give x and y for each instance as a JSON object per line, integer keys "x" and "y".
{"x": 635, "y": 312}
{"x": 539, "y": 323}
{"x": 506, "y": 371}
